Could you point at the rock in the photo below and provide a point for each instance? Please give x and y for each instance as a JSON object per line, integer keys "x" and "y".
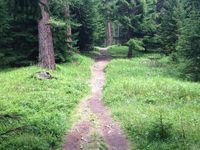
{"x": 43, "y": 75}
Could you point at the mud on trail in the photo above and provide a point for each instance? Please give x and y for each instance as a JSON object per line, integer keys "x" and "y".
{"x": 96, "y": 130}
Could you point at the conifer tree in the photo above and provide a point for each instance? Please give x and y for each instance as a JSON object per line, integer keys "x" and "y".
{"x": 85, "y": 14}
{"x": 130, "y": 14}
{"x": 169, "y": 25}
{"x": 189, "y": 40}
{"x": 150, "y": 25}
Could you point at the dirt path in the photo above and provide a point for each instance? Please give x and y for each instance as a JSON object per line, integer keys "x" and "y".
{"x": 96, "y": 130}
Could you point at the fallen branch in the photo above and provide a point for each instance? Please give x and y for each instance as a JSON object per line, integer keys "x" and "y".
{"x": 10, "y": 116}
{"x": 18, "y": 129}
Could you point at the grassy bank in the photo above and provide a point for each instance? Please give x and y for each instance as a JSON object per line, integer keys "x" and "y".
{"x": 35, "y": 114}
{"x": 158, "y": 110}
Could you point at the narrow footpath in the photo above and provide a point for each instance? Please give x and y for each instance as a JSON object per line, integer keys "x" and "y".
{"x": 95, "y": 129}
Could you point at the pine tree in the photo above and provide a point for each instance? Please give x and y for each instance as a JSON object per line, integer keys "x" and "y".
{"x": 85, "y": 14}
{"x": 100, "y": 33}
{"x": 19, "y": 45}
{"x": 150, "y": 25}
{"x": 61, "y": 24}
{"x": 189, "y": 40}
{"x": 169, "y": 25}
{"x": 130, "y": 14}
{"x": 27, "y": 19}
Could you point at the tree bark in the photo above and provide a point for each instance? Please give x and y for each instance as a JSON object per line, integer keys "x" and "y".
{"x": 130, "y": 51}
{"x": 68, "y": 27}
{"x": 118, "y": 34}
{"x": 108, "y": 25}
{"x": 46, "y": 50}
{"x": 130, "y": 48}
{"x": 109, "y": 34}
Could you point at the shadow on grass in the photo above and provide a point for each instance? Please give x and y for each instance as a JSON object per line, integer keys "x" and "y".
{"x": 7, "y": 69}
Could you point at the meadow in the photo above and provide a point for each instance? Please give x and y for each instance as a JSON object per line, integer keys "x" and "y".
{"x": 157, "y": 109}
{"x": 36, "y": 114}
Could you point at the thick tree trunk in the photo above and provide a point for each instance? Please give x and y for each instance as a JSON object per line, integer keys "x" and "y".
{"x": 108, "y": 25}
{"x": 46, "y": 50}
{"x": 68, "y": 27}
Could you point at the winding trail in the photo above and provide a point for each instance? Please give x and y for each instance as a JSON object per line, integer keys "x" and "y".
{"x": 96, "y": 129}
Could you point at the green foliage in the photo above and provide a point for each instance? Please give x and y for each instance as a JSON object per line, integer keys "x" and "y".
{"x": 26, "y": 8}
{"x": 59, "y": 24}
{"x": 100, "y": 33}
{"x": 136, "y": 44}
{"x": 85, "y": 14}
{"x": 150, "y": 26}
{"x": 35, "y": 114}
{"x": 189, "y": 40}
{"x": 18, "y": 45}
{"x": 139, "y": 90}
{"x": 130, "y": 14}
{"x": 19, "y": 18}
{"x": 169, "y": 25}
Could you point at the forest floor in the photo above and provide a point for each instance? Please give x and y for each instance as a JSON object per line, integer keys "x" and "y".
{"x": 95, "y": 129}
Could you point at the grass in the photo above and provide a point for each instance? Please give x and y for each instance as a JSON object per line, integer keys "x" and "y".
{"x": 157, "y": 110}
{"x": 35, "y": 114}
{"x": 96, "y": 143}
{"x": 118, "y": 52}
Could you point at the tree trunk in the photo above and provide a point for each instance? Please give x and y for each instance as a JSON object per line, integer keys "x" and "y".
{"x": 108, "y": 25}
{"x": 109, "y": 34}
{"x": 46, "y": 50}
{"x": 68, "y": 27}
{"x": 118, "y": 34}
{"x": 130, "y": 47}
{"x": 130, "y": 51}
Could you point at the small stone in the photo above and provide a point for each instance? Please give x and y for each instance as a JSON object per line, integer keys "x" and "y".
{"x": 43, "y": 75}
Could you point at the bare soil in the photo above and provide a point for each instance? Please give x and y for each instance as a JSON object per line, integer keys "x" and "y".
{"x": 109, "y": 130}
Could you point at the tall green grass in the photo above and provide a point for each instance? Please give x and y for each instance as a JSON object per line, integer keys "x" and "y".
{"x": 158, "y": 110}
{"x": 35, "y": 114}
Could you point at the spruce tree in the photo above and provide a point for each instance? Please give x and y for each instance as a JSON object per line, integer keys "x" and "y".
{"x": 189, "y": 40}
{"x": 85, "y": 14}
{"x": 169, "y": 26}
{"x": 130, "y": 14}
{"x": 150, "y": 25}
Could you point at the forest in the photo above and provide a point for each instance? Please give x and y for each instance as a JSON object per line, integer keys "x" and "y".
{"x": 99, "y": 74}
